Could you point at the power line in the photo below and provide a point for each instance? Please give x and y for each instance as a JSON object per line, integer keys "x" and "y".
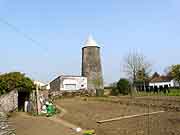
{"x": 17, "y": 30}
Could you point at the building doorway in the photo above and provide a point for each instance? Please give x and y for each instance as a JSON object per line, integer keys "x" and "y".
{"x": 22, "y": 97}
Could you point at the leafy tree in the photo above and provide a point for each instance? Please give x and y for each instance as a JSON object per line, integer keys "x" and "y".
{"x": 123, "y": 86}
{"x": 175, "y": 72}
{"x": 114, "y": 91}
{"x": 15, "y": 80}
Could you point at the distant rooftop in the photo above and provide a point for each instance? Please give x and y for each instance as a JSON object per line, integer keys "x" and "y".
{"x": 70, "y": 76}
{"x": 161, "y": 79}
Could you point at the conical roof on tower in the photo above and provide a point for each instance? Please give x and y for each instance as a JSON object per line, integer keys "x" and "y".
{"x": 90, "y": 41}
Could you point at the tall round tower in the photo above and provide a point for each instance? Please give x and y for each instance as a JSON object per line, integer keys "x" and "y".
{"x": 91, "y": 64}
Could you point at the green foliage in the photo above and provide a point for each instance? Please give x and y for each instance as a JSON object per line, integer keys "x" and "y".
{"x": 142, "y": 79}
{"x": 114, "y": 91}
{"x": 123, "y": 86}
{"x": 173, "y": 92}
{"x": 141, "y": 74}
{"x": 89, "y": 132}
{"x": 139, "y": 82}
{"x": 175, "y": 72}
{"x": 15, "y": 80}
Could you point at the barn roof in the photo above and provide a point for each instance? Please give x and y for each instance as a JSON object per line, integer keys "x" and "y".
{"x": 161, "y": 79}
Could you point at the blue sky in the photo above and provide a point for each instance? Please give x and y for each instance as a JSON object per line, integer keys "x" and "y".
{"x": 61, "y": 27}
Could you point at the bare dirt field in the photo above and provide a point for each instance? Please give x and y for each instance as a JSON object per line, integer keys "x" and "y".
{"x": 87, "y": 113}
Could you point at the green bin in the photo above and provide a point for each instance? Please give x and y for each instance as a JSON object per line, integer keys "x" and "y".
{"x": 50, "y": 110}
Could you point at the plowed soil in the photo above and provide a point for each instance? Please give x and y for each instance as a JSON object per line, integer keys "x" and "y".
{"x": 86, "y": 113}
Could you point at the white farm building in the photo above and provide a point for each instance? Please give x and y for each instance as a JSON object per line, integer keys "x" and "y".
{"x": 68, "y": 83}
{"x": 163, "y": 81}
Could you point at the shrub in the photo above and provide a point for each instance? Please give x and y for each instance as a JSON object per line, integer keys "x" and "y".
{"x": 114, "y": 91}
{"x": 123, "y": 86}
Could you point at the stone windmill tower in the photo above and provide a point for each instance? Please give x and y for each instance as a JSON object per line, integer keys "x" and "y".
{"x": 91, "y": 65}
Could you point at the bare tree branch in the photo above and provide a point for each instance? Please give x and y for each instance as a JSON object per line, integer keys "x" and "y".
{"x": 135, "y": 62}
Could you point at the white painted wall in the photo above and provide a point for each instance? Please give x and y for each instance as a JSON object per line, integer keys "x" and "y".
{"x": 172, "y": 83}
{"x": 73, "y": 83}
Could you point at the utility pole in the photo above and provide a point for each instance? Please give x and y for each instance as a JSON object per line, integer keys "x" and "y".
{"x": 38, "y": 101}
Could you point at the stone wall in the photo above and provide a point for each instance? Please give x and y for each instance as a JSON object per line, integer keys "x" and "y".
{"x": 5, "y": 125}
{"x": 9, "y": 102}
